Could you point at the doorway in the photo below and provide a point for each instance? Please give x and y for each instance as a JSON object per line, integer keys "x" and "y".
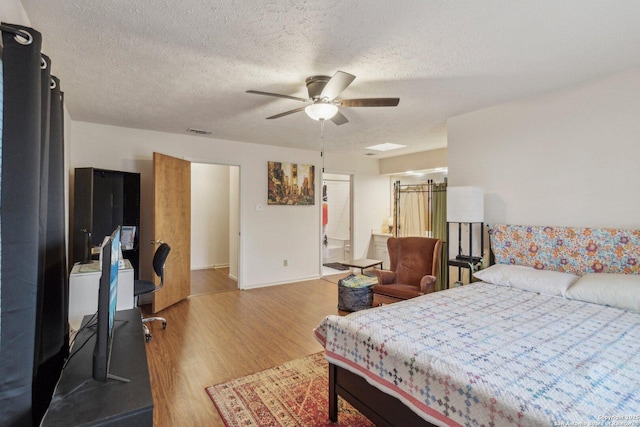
{"x": 336, "y": 222}
{"x": 215, "y": 219}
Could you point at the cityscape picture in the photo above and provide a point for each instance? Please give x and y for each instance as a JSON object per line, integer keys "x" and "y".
{"x": 291, "y": 184}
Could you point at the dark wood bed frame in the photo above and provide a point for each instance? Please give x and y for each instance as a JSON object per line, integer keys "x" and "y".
{"x": 382, "y": 409}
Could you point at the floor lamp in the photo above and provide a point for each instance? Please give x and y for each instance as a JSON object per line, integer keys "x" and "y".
{"x": 465, "y": 205}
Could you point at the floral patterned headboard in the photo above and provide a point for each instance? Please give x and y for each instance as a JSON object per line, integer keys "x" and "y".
{"x": 569, "y": 249}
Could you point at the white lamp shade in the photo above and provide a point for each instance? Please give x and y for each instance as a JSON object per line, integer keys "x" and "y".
{"x": 321, "y": 110}
{"x": 465, "y": 204}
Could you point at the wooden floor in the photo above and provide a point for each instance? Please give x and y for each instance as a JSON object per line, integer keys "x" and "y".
{"x": 211, "y": 280}
{"x": 215, "y": 337}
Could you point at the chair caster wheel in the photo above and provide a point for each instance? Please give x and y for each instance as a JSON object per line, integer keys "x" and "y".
{"x": 147, "y": 337}
{"x": 164, "y": 325}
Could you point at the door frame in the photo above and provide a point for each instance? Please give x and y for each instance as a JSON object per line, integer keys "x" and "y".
{"x": 239, "y": 211}
{"x": 351, "y": 213}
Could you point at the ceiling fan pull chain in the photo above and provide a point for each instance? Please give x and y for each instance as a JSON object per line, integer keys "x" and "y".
{"x": 322, "y": 140}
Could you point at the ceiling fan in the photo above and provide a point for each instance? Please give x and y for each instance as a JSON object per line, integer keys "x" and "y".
{"x": 323, "y": 104}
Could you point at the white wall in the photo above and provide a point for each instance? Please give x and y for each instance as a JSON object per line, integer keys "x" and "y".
{"x": 268, "y": 236}
{"x": 568, "y": 157}
{"x": 209, "y": 215}
{"x": 432, "y": 159}
{"x": 234, "y": 220}
{"x": 12, "y": 12}
{"x": 371, "y": 208}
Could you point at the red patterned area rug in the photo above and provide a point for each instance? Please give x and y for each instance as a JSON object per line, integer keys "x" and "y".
{"x": 292, "y": 394}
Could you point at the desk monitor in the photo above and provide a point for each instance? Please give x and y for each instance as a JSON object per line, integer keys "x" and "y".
{"x": 107, "y": 300}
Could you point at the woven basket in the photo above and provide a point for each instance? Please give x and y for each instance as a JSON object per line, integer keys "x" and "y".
{"x": 354, "y": 298}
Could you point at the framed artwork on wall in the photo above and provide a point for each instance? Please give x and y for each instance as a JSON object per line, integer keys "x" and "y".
{"x": 290, "y": 184}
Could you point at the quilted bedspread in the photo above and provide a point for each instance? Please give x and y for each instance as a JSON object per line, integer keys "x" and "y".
{"x": 486, "y": 355}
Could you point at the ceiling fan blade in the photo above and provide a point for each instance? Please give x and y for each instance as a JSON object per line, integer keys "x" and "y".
{"x": 336, "y": 84}
{"x": 339, "y": 119}
{"x": 369, "y": 102}
{"x": 257, "y": 92}
{"x": 286, "y": 113}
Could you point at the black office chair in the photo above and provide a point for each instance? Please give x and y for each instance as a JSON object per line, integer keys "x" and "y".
{"x": 146, "y": 286}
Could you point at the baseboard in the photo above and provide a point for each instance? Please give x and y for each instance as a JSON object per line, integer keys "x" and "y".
{"x": 299, "y": 279}
{"x": 209, "y": 267}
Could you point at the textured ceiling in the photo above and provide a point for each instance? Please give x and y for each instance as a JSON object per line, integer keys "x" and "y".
{"x": 171, "y": 65}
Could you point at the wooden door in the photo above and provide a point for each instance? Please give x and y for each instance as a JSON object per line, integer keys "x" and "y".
{"x": 172, "y": 225}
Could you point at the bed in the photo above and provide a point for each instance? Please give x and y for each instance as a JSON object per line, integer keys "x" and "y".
{"x": 549, "y": 336}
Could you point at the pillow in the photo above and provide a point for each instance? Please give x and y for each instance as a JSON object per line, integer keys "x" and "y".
{"x": 546, "y": 282}
{"x": 613, "y": 289}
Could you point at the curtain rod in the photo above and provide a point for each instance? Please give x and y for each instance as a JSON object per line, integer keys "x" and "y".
{"x": 423, "y": 191}
{"x": 420, "y": 188}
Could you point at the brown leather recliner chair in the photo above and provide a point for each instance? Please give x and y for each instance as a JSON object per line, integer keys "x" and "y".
{"x": 414, "y": 266}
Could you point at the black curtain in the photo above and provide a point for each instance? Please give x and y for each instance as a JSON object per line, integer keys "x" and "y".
{"x": 52, "y": 327}
{"x": 34, "y": 331}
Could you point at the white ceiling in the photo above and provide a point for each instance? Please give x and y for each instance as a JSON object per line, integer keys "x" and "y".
{"x": 171, "y": 65}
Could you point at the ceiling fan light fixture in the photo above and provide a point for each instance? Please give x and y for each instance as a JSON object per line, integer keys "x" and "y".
{"x": 321, "y": 110}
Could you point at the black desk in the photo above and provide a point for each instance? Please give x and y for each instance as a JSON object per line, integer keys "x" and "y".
{"x": 79, "y": 400}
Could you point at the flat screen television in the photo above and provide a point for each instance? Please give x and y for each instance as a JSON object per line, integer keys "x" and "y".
{"x": 107, "y": 301}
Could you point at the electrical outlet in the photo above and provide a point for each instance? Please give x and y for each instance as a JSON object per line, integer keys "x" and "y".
{"x": 285, "y": 263}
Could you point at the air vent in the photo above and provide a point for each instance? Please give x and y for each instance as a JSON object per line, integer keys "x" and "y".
{"x": 370, "y": 154}
{"x": 200, "y": 131}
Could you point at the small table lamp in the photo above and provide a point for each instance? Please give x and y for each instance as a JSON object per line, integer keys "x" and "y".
{"x": 389, "y": 224}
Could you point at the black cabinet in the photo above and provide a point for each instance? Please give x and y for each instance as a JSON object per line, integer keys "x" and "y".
{"x": 102, "y": 200}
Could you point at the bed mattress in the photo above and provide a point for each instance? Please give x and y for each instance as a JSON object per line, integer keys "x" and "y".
{"x": 483, "y": 354}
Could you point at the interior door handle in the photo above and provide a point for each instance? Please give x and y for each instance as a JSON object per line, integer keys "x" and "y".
{"x": 156, "y": 242}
